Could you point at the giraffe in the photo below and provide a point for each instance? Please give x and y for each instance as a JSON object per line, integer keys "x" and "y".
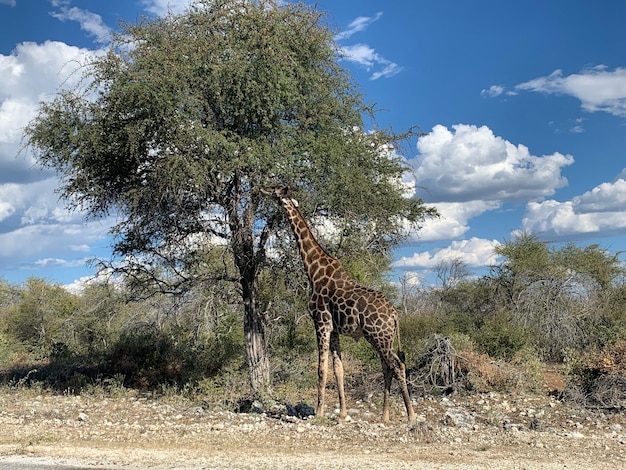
{"x": 338, "y": 305}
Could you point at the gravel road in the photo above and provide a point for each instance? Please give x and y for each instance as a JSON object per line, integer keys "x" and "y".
{"x": 483, "y": 431}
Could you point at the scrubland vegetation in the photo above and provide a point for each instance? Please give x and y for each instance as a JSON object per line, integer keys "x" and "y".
{"x": 562, "y": 306}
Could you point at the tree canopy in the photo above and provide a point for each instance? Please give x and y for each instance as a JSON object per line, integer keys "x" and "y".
{"x": 187, "y": 116}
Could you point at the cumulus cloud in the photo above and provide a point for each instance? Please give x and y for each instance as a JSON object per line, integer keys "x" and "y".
{"x": 33, "y": 71}
{"x": 468, "y": 171}
{"x": 453, "y": 222}
{"x": 33, "y": 222}
{"x": 30, "y": 74}
{"x": 6, "y": 210}
{"x": 60, "y": 263}
{"x": 601, "y": 211}
{"x": 470, "y": 163}
{"x": 597, "y": 88}
{"x": 475, "y": 252}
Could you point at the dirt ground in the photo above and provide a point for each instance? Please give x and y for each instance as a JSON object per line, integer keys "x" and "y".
{"x": 481, "y": 431}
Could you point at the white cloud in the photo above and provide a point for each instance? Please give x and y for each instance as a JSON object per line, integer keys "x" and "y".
{"x": 6, "y": 210}
{"x": 605, "y": 197}
{"x": 163, "y": 7}
{"x": 364, "y": 55}
{"x": 578, "y": 127}
{"x": 8, "y": 2}
{"x": 598, "y": 88}
{"x": 475, "y": 252}
{"x": 601, "y": 211}
{"x": 59, "y": 263}
{"x": 102, "y": 277}
{"x": 34, "y": 71}
{"x": 34, "y": 202}
{"x": 358, "y": 24}
{"x": 30, "y": 74}
{"x": 82, "y": 247}
{"x": 14, "y": 115}
{"x": 492, "y": 91}
{"x": 89, "y": 22}
{"x": 34, "y": 223}
{"x": 78, "y": 286}
{"x": 470, "y": 163}
{"x": 50, "y": 240}
{"x": 361, "y": 54}
{"x": 453, "y": 222}
{"x": 389, "y": 70}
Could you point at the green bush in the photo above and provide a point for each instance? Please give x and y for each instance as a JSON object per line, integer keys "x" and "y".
{"x": 12, "y": 352}
{"x": 500, "y": 337}
{"x": 149, "y": 357}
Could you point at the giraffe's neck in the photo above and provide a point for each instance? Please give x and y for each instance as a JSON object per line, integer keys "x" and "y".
{"x": 317, "y": 263}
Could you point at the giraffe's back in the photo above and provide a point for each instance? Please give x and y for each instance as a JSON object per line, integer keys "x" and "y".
{"x": 360, "y": 311}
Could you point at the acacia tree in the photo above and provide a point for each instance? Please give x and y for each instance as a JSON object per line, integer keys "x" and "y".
{"x": 556, "y": 292}
{"x": 186, "y": 117}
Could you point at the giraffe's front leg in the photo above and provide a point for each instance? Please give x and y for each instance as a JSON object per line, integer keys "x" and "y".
{"x": 323, "y": 343}
{"x": 338, "y": 368}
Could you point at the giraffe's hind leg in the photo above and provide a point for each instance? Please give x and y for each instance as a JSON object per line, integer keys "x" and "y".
{"x": 387, "y": 375}
{"x": 398, "y": 369}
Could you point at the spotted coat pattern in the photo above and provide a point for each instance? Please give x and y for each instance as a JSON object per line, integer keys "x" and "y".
{"x": 339, "y": 305}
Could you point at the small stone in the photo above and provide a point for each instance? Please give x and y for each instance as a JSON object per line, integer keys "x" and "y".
{"x": 458, "y": 418}
{"x": 537, "y": 425}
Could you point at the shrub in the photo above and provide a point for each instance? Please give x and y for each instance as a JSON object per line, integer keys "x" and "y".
{"x": 500, "y": 337}
{"x": 451, "y": 364}
{"x": 483, "y": 374}
{"x": 598, "y": 377}
{"x": 12, "y": 352}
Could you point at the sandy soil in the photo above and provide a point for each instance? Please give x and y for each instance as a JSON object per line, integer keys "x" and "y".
{"x": 484, "y": 431}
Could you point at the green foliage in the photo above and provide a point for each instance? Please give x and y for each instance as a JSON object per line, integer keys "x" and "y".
{"x": 196, "y": 111}
{"x": 149, "y": 356}
{"x": 43, "y": 316}
{"x": 12, "y": 351}
{"x": 500, "y": 337}
{"x": 560, "y": 295}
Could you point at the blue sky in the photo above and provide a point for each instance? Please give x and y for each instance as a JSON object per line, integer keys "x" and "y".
{"x": 523, "y": 106}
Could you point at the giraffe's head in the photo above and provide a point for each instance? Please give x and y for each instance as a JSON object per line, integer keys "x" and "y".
{"x": 280, "y": 193}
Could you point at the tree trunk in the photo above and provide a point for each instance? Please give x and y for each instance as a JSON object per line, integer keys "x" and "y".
{"x": 241, "y": 222}
{"x": 254, "y": 334}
